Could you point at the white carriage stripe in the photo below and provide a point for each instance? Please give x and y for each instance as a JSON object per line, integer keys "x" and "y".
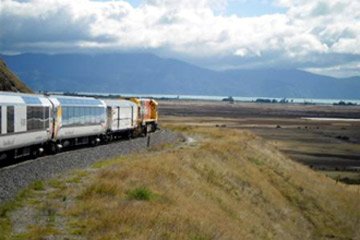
{"x": 45, "y": 101}
{"x": 8, "y": 99}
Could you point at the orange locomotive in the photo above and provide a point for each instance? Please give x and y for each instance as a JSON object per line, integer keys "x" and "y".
{"x": 147, "y": 114}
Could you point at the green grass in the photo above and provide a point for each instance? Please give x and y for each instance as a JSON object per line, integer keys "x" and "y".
{"x": 25, "y": 197}
{"x": 140, "y": 194}
{"x": 256, "y": 161}
{"x": 38, "y": 186}
{"x": 57, "y": 183}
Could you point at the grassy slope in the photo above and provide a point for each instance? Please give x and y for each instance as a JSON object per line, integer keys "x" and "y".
{"x": 10, "y": 82}
{"x": 228, "y": 185}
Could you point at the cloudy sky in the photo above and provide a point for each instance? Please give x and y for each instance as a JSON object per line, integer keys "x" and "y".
{"x": 321, "y": 36}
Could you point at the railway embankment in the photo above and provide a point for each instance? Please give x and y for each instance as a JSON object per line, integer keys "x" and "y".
{"x": 16, "y": 177}
{"x": 220, "y": 184}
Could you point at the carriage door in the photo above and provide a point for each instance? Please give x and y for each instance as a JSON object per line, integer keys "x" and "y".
{"x": 20, "y": 118}
{"x": 109, "y": 117}
{"x": 15, "y": 119}
{"x": 132, "y": 116}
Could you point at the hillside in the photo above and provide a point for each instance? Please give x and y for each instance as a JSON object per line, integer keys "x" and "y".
{"x": 149, "y": 74}
{"x": 221, "y": 184}
{"x": 10, "y": 82}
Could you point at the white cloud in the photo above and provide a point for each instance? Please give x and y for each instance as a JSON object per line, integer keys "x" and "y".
{"x": 309, "y": 31}
{"x": 342, "y": 70}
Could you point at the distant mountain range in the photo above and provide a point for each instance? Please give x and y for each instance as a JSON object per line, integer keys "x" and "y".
{"x": 149, "y": 74}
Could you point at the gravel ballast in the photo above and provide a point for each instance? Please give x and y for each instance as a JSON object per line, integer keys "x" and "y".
{"x": 17, "y": 177}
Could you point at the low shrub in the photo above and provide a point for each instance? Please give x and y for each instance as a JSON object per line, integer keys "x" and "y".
{"x": 140, "y": 194}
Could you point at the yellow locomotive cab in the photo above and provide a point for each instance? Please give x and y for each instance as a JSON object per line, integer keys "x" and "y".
{"x": 148, "y": 114}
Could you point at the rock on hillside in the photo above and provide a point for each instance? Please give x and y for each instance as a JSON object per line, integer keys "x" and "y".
{"x": 10, "y": 82}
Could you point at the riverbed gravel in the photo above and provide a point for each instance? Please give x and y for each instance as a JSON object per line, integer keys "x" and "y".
{"x": 16, "y": 177}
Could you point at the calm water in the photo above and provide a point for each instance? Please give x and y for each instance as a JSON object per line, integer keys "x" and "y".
{"x": 220, "y": 98}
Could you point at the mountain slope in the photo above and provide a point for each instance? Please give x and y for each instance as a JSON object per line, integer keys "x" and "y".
{"x": 10, "y": 82}
{"x": 227, "y": 184}
{"x": 293, "y": 83}
{"x": 146, "y": 73}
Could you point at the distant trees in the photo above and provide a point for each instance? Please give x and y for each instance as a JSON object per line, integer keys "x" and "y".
{"x": 229, "y": 99}
{"x": 343, "y": 103}
{"x": 266, "y": 100}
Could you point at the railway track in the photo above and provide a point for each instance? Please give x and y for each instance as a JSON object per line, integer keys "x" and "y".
{"x": 16, "y": 177}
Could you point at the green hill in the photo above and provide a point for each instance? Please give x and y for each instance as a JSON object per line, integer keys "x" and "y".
{"x": 223, "y": 184}
{"x": 10, "y": 82}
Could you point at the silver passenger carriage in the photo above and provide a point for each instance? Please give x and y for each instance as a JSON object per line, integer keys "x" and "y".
{"x": 78, "y": 120}
{"x": 121, "y": 117}
{"x": 25, "y": 124}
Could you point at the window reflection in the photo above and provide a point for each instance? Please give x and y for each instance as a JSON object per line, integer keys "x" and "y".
{"x": 80, "y": 116}
{"x": 37, "y": 118}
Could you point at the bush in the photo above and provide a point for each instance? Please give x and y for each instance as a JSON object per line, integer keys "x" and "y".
{"x": 38, "y": 186}
{"x": 140, "y": 194}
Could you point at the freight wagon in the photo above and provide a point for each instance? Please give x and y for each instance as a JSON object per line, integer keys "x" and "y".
{"x": 122, "y": 118}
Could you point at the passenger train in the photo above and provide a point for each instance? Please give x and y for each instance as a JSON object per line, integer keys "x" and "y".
{"x": 33, "y": 124}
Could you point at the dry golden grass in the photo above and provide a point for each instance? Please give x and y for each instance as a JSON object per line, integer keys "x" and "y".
{"x": 229, "y": 185}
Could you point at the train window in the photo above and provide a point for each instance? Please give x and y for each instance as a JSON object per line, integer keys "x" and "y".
{"x": 96, "y": 115}
{"x": 71, "y": 115}
{"x": 46, "y": 117}
{"x": 65, "y": 116}
{"x": 74, "y": 115}
{"x": 83, "y": 110}
{"x": 37, "y": 118}
{"x": 92, "y": 114}
{"x": 29, "y": 117}
{"x": 77, "y": 116}
{"x": 10, "y": 119}
{"x": 87, "y": 114}
{"x": 102, "y": 115}
{"x": 82, "y": 115}
{"x": 70, "y": 112}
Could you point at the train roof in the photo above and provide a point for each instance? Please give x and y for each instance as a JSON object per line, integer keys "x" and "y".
{"x": 77, "y": 101}
{"x": 118, "y": 102}
{"x": 140, "y": 100}
{"x": 10, "y": 98}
